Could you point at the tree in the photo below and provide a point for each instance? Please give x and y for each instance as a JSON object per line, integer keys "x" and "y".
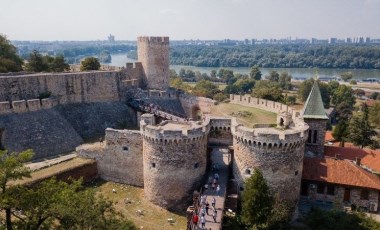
{"x": 285, "y": 81}
{"x": 257, "y": 202}
{"x": 11, "y": 168}
{"x": 227, "y": 76}
{"x": 205, "y": 89}
{"x": 89, "y": 63}
{"x": 375, "y": 96}
{"x": 343, "y": 94}
{"x": 344, "y": 111}
{"x": 59, "y": 64}
{"x": 255, "y": 73}
{"x": 9, "y": 60}
{"x": 346, "y": 76}
{"x": 36, "y": 62}
{"x": 273, "y": 76}
{"x": 374, "y": 112}
{"x": 341, "y": 132}
{"x": 361, "y": 132}
{"x": 268, "y": 90}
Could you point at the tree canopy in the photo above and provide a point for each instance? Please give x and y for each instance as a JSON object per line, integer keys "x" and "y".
{"x": 268, "y": 90}
{"x": 9, "y": 59}
{"x": 40, "y": 63}
{"x": 90, "y": 63}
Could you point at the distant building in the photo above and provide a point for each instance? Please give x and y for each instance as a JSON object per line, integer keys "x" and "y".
{"x": 111, "y": 38}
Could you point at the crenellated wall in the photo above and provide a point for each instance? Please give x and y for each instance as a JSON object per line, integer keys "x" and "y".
{"x": 260, "y": 103}
{"x": 174, "y": 161}
{"x": 23, "y": 106}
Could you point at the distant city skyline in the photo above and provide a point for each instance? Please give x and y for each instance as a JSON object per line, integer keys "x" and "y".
{"x": 189, "y": 19}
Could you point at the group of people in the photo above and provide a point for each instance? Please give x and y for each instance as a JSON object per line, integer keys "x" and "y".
{"x": 205, "y": 209}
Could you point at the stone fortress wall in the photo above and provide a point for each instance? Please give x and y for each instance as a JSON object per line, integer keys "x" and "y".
{"x": 153, "y": 53}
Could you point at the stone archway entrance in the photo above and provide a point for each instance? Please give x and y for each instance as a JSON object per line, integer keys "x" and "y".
{"x": 196, "y": 113}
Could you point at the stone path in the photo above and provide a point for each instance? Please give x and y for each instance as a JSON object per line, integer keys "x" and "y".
{"x": 219, "y": 157}
{"x": 47, "y": 163}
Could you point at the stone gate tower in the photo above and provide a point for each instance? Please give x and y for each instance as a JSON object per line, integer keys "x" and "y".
{"x": 153, "y": 53}
{"x": 314, "y": 115}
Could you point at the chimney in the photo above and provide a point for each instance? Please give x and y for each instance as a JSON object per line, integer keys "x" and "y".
{"x": 358, "y": 161}
{"x": 337, "y": 156}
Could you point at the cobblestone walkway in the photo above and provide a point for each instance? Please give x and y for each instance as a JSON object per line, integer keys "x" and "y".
{"x": 220, "y": 158}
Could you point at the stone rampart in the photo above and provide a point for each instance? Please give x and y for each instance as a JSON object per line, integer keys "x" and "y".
{"x": 267, "y": 105}
{"x": 174, "y": 161}
{"x": 23, "y": 106}
{"x": 95, "y": 86}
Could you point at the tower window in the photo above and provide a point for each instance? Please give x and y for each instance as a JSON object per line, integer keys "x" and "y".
{"x": 309, "y": 137}
{"x": 153, "y": 165}
{"x": 315, "y": 136}
{"x": 296, "y": 173}
{"x": 248, "y": 171}
{"x": 125, "y": 148}
{"x": 196, "y": 165}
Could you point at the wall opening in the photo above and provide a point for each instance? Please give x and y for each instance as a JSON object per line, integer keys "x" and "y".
{"x": 125, "y": 148}
{"x": 196, "y": 113}
{"x": 153, "y": 165}
{"x": 196, "y": 165}
{"x": 281, "y": 121}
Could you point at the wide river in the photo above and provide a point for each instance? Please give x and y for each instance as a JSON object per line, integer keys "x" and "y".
{"x": 297, "y": 73}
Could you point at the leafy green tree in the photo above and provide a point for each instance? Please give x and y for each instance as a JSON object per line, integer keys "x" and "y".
{"x": 361, "y": 132}
{"x": 89, "y": 63}
{"x": 342, "y": 94}
{"x": 346, "y": 76}
{"x": 227, "y": 76}
{"x": 341, "y": 132}
{"x": 205, "y": 89}
{"x": 219, "y": 97}
{"x": 257, "y": 203}
{"x": 353, "y": 82}
{"x": 268, "y": 90}
{"x": 36, "y": 62}
{"x": 290, "y": 100}
{"x": 177, "y": 83}
{"x": 374, "y": 114}
{"x": 59, "y": 64}
{"x": 9, "y": 60}
{"x": 255, "y": 73}
{"x": 173, "y": 74}
{"x": 344, "y": 111}
{"x": 11, "y": 168}
{"x": 332, "y": 86}
{"x": 375, "y": 96}
{"x": 213, "y": 73}
{"x": 285, "y": 81}
{"x": 273, "y": 76}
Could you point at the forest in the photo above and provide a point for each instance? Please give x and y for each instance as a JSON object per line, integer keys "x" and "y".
{"x": 279, "y": 56}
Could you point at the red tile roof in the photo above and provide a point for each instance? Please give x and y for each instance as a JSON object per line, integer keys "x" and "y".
{"x": 328, "y": 136}
{"x": 369, "y": 158}
{"x": 336, "y": 171}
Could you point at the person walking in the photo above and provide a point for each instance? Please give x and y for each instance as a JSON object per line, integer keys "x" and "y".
{"x": 207, "y": 207}
{"x": 195, "y": 219}
{"x": 214, "y": 215}
{"x": 217, "y": 190}
{"x": 213, "y": 202}
{"x": 203, "y": 211}
{"x": 203, "y": 222}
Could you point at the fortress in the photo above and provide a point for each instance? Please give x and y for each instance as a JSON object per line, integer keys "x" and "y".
{"x": 154, "y": 137}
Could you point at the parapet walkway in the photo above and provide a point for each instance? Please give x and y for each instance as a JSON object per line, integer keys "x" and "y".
{"x": 219, "y": 157}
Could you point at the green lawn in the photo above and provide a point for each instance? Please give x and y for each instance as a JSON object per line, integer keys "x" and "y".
{"x": 153, "y": 216}
{"x": 252, "y": 115}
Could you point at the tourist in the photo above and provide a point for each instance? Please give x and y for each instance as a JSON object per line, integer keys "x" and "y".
{"x": 207, "y": 207}
{"x": 203, "y": 211}
{"x": 217, "y": 190}
{"x": 213, "y": 202}
{"x": 214, "y": 215}
{"x": 210, "y": 180}
{"x": 195, "y": 219}
{"x": 213, "y": 187}
{"x": 216, "y": 176}
{"x": 203, "y": 221}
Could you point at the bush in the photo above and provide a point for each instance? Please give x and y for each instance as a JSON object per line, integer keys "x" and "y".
{"x": 353, "y": 82}
{"x": 219, "y": 97}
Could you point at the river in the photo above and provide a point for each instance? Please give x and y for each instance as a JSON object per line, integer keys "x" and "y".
{"x": 297, "y": 73}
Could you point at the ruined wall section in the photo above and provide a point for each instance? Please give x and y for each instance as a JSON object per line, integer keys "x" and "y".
{"x": 192, "y": 104}
{"x": 174, "y": 162}
{"x": 277, "y": 153}
{"x": 95, "y": 86}
{"x": 153, "y": 53}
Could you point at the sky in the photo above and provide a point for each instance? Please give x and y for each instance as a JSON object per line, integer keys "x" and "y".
{"x": 188, "y": 19}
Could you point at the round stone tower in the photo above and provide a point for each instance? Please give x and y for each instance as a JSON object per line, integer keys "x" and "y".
{"x": 174, "y": 159}
{"x": 153, "y": 53}
{"x": 277, "y": 152}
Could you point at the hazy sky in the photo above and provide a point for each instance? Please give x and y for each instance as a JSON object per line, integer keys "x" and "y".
{"x": 188, "y": 19}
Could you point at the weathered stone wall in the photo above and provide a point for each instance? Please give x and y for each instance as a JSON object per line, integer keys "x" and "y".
{"x": 267, "y": 105}
{"x": 47, "y": 132}
{"x": 153, "y": 53}
{"x": 277, "y": 153}
{"x": 174, "y": 163}
{"x": 220, "y": 132}
{"x": 122, "y": 158}
{"x": 318, "y": 125}
{"x": 192, "y": 104}
{"x": 91, "y": 119}
{"x": 23, "y": 106}
{"x": 67, "y": 88}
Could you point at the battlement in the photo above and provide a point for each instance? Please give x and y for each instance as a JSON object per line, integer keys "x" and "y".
{"x": 271, "y": 138}
{"x": 23, "y": 106}
{"x": 158, "y": 40}
{"x": 169, "y": 132}
{"x": 133, "y": 65}
{"x": 260, "y": 103}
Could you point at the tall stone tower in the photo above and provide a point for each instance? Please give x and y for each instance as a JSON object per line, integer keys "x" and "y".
{"x": 153, "y": 53}
{"x": 314, "y": 115}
